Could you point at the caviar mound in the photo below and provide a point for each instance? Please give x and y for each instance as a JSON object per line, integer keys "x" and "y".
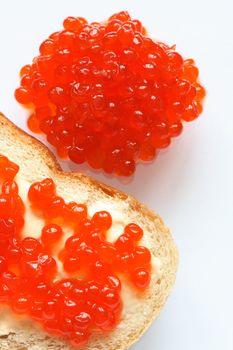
{"x": 90, "y": 296}
{"x": 108, "y": 95}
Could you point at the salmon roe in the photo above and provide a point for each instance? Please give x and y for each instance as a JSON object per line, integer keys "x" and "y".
{"x": 107, "y": 94}
{"x": 89, "y": 297}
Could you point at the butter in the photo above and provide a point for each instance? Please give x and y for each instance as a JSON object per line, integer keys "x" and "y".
{"x": 34, "y": 223}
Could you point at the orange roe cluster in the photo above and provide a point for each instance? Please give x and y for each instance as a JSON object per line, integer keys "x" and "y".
{"x": 106, "y": 94}
{"x": 89, "y": 298}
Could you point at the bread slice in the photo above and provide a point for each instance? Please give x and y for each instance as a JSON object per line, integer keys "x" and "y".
{"x": 37, "y": 162}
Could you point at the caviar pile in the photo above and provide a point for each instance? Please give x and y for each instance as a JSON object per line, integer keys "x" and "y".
{"x": 107, "y": 94}
{"x": 90, "y": 296}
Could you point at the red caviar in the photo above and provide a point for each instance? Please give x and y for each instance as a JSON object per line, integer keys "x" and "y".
{"x": 90, "y": 296}
{"x": 107, "y": 94}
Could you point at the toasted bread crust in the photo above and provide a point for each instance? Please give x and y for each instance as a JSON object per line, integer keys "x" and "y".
{"x": 24, "y": 336}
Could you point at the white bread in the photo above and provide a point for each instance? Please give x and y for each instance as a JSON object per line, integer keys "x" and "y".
{"x": 37, "y": 162}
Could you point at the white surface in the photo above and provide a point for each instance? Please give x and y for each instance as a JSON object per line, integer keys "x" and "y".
{"x": 190, "y": 184}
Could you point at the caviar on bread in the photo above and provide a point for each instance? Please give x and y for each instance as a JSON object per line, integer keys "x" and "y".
{"x": 107, "y": 94}
{"x": 69, "y": 307}
{"x": 93, "y": 274}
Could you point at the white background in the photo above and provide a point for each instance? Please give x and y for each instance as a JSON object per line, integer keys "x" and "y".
{"x": 191, "y": 184}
